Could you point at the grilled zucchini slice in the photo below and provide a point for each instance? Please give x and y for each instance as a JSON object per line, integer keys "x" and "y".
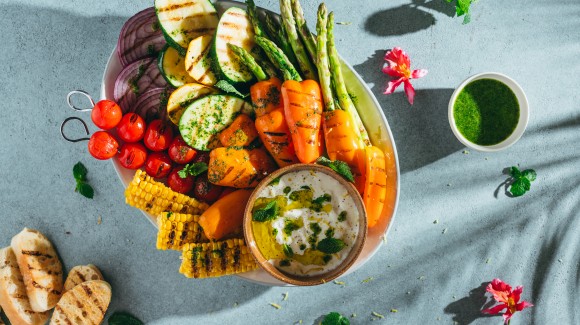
{"x": 198, "y": 60}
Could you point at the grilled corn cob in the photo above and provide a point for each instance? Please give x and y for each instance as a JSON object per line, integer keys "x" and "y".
{"x": 176, "y": 230}
{"x": 154, "y": 197}
{"x": 216, "y": 259}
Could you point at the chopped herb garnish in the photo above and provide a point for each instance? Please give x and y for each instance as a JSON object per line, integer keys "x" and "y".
{"x": 302, "y": 247}
{"x": 329, "y": 233}
{"x": 274, "y": 232}
{"x": 285, "y": 296}
{"x": 338, "y": 166}
{"x": 301, "y": 195}
{"x": 326, "y": 258}
{"x": 330, "y": 245}
{"x": 287, "y": 250}
{"x": 287, "y": 190}
{"x": 377, "y": 315}
{"x": 192, "y": 169}
{"x": 80, "y": 175}
{"x": 342, "y": 216}
{"x": 284, "y": 263}
{"x": 289, "y": 227}
{"x": 275, "y": 181}
{"x": 367, "y": 280}
{"x": 305, "y": 187}
{"x": 275, "y": 305}
{"x": 268, "y": 212}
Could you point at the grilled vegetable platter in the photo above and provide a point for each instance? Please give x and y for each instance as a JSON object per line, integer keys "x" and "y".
{"x": 207, "y": 103}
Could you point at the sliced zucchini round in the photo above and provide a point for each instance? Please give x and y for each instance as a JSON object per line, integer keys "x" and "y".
{"x": 183, "y": 97}
{"x": 172, "y": 67}
{"x": 206, "y": 117}
{"x": 184, "y": 20}
{"x": 198, "y": 60}
{"x": 234, "y": 27}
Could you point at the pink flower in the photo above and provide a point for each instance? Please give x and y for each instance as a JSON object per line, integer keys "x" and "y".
{"x": 508, "y": 298}
{"x": 399, "y": 66}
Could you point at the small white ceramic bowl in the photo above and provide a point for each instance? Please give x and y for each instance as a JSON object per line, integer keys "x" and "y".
{"x": 520, "y": 127}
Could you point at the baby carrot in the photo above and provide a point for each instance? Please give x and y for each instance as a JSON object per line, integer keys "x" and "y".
{"x": 303, "y": 111}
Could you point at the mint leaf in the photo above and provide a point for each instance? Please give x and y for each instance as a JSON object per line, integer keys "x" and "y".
{"x": 229, "y": 88}
{"x": 80, "y": 172}
{"x": 268, "y": 212}
{"x": 192, "y": 169}
{"x": 520, "y": 187}
{"x": 335, "y": 318}
{"x": 330, "y": 245}
{"x": 85, "y": 189}
{"x": 120, "y": 318}
{"x": 530, "y": 174}
{"x": 340, "y": 167}
{"x": 515, "y": 172}
{"x": 275, "y": 181}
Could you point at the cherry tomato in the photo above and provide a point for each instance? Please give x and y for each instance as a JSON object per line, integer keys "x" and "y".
{"x": 102, "y": 145}
{"x": 106, "y": 114}
{"x": 202, "y": 156}
{"x": 158, "y": 165}
{"x": 206, "y": 191}
{"x": 132, "y": 155}
{"x": 158, "y": 136}
{"x": 226, "y": 191}
{"x": 178, "y": 184}
{"x": 180, "y": 152}
{"x": 131, "y": 128}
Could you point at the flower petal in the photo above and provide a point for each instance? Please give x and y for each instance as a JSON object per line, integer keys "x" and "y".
{"x": 392, "y": 85}
{"x": 495, "y": 309}
{"x": 392, "y": 72}
{"x": 516, "y": 293}
{"x": 523, "y": 305}
{"x": 499, "y": 289}
{"x": 410, "y": 91}
{"x": 420, "y": 73}
{"x": 506, "y": 316}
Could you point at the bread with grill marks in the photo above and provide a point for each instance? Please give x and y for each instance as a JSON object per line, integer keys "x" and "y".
{"x": 84, "y": 304}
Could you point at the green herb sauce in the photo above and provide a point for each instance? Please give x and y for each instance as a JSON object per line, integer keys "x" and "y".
{"x": 486, "y": 112}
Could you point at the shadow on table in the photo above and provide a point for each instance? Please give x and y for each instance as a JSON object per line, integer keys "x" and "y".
{"x": 421, "y": 131}
{"x": 407, "y": 18}
{"x": 468, "y": 309}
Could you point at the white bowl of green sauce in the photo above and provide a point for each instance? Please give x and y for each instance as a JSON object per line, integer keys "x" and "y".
{"x": 488, "y": 112}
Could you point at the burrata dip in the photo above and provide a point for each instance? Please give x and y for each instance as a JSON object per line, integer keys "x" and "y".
{"x": 305, "y": 223}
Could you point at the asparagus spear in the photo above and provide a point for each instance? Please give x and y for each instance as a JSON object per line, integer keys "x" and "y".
{"x": 258, "y": 30}
{"x": 306, "y": 66}
{"x": 340, "y": 87}
{"x": 303, "y": 29}
{"x": 322, "y": 59}
{"x": 248, "y": 60}
{"x": 277, "y": 56}
{"x": 278, "y": 35}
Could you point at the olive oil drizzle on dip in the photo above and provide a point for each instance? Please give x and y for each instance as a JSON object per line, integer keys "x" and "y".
{"x": 305, "y": 223}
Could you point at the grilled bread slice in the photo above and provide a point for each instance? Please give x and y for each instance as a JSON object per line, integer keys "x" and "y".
{"x": 40, "y": 267}
{"x": 80, "y": 274}
{"x": 13, "y": 296}
{"x": 84, "y": 304}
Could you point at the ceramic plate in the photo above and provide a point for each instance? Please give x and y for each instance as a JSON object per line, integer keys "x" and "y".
{"x": 377, "y": 127}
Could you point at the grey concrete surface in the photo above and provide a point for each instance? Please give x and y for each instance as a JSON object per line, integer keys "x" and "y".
{"x": 431, "y": 273}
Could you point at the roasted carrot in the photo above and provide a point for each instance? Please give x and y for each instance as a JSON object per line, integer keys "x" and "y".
{"x": 303, "y": 111}
{"x": 271, "y": 123}
{"x": 342, "y": 143}
{"x": 240, "y": 133}
{"x": 375, "y": 184}
{"x": 225, "y": 216}
{"x": 238, "y": 167}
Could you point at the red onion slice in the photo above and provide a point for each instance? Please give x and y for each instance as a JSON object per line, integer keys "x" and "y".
{"x": 140, "y": 37}
{"x": 134, "y": 80}
{"x": 152, "y": 104}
